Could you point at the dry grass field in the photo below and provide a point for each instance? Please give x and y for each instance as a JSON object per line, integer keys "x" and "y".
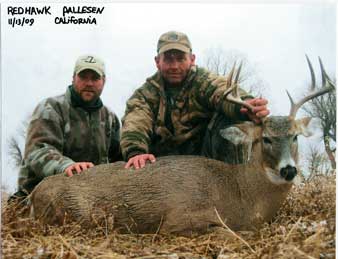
{"x": 304, "y": 228}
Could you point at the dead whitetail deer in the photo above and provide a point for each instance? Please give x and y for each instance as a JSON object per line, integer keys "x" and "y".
{"x": 185, "y": 194}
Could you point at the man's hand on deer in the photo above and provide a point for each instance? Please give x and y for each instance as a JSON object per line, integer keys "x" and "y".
{"x": 139, "y": 161}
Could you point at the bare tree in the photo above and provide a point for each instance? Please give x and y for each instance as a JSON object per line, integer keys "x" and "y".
{"x": 324, "y": 109}
{"x": 221, "y": 61}
{"x": 15, "y": 144}
{"x": 15, "y": 151}
{"x": 318, "y": 163}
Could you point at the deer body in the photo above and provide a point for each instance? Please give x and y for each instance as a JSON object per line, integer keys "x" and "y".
{"x": 163, "y": 196}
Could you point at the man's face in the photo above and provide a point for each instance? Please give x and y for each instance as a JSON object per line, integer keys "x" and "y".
{"x": 88, "y": 84}
{"x": 174, "y": 65}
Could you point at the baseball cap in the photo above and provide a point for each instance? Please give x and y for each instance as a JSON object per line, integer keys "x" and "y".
{"x": 173, "y": 40}
{"x": 89, "y": 62}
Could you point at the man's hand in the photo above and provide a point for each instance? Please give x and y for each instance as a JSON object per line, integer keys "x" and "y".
{"x": 139, "y": 161}
{"x": 78, "y": 167}
{"x": 260, "y": 110}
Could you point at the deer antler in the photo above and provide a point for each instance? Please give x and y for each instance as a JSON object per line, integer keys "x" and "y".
{"x": 327, "y": 86}
{"x": 325, "y": 77}
{"x": 231, "y": 94}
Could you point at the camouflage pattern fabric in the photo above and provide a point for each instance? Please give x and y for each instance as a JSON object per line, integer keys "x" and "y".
{"x": 144, "y": 125}
{"x": 60, "y": 134}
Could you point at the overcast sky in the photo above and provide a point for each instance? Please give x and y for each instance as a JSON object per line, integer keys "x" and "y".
{"x": 38, "y": 60}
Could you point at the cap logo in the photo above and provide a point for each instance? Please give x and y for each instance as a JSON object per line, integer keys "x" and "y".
{"x": 90, "y": 59}
{"x": 173, "y": 37}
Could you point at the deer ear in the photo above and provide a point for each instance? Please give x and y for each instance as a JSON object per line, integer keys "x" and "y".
{"x": 240, "y": 136}
{"x": 235, "y": 135}
{"x": 305, "y": 127}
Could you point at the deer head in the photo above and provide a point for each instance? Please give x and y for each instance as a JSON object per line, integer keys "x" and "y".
{"x": 274, "y": 144}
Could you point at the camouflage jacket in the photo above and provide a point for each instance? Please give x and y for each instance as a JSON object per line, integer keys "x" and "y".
{"x": 60, "y": 134}
{"x": 145, "y": 126}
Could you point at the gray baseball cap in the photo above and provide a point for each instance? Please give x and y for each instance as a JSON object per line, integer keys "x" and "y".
{"x": 89, "y": 62}
{"x": 174, "y": 40}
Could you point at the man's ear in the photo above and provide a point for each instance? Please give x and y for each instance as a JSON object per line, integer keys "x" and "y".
{"x": 192, "y": 58}
{"x": 157, "y": 61}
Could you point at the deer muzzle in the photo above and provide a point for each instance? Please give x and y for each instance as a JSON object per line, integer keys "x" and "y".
{"x": 288, "y": 172}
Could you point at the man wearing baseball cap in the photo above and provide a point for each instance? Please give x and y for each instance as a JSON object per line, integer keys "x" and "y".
{"x": 71, "y": 132}
{"x": 170, "y": 112}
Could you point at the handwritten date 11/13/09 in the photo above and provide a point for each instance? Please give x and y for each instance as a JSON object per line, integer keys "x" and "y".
{"x": 20, "y": 21}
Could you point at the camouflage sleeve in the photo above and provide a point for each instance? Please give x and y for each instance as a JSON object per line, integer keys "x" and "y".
{"x": 44, "y": 142}
{"x": 115, "y": 150}
{"x": 213, "y": 89}
{"x": 137, "y": 125}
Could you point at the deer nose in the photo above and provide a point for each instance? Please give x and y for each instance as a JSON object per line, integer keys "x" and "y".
{"x": 289, "y": 172}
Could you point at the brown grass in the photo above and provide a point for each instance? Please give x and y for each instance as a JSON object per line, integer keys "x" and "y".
{"x": 304, "y": 228}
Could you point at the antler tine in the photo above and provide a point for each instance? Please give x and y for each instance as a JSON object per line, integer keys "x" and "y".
{"x": 231, "y": 74}
{"x": 231, "y": 94}
{"x": 313, "y": 94}
{"x": 238, "y": 72}
{"x": 324, "y": 75}
{"x": 235, "y": 92}
{"x": 290, "y": 98}
{"x": 313, "y": 78}
{"x": 325, "y": 78}
{"x": 294, "y": 107}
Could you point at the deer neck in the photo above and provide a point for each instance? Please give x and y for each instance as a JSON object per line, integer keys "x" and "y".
{"x": 260, "y": 195}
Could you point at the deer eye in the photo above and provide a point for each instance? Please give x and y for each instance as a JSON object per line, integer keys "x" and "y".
{"x": 266, "y": 140}
{"x": 295, "y": 138}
